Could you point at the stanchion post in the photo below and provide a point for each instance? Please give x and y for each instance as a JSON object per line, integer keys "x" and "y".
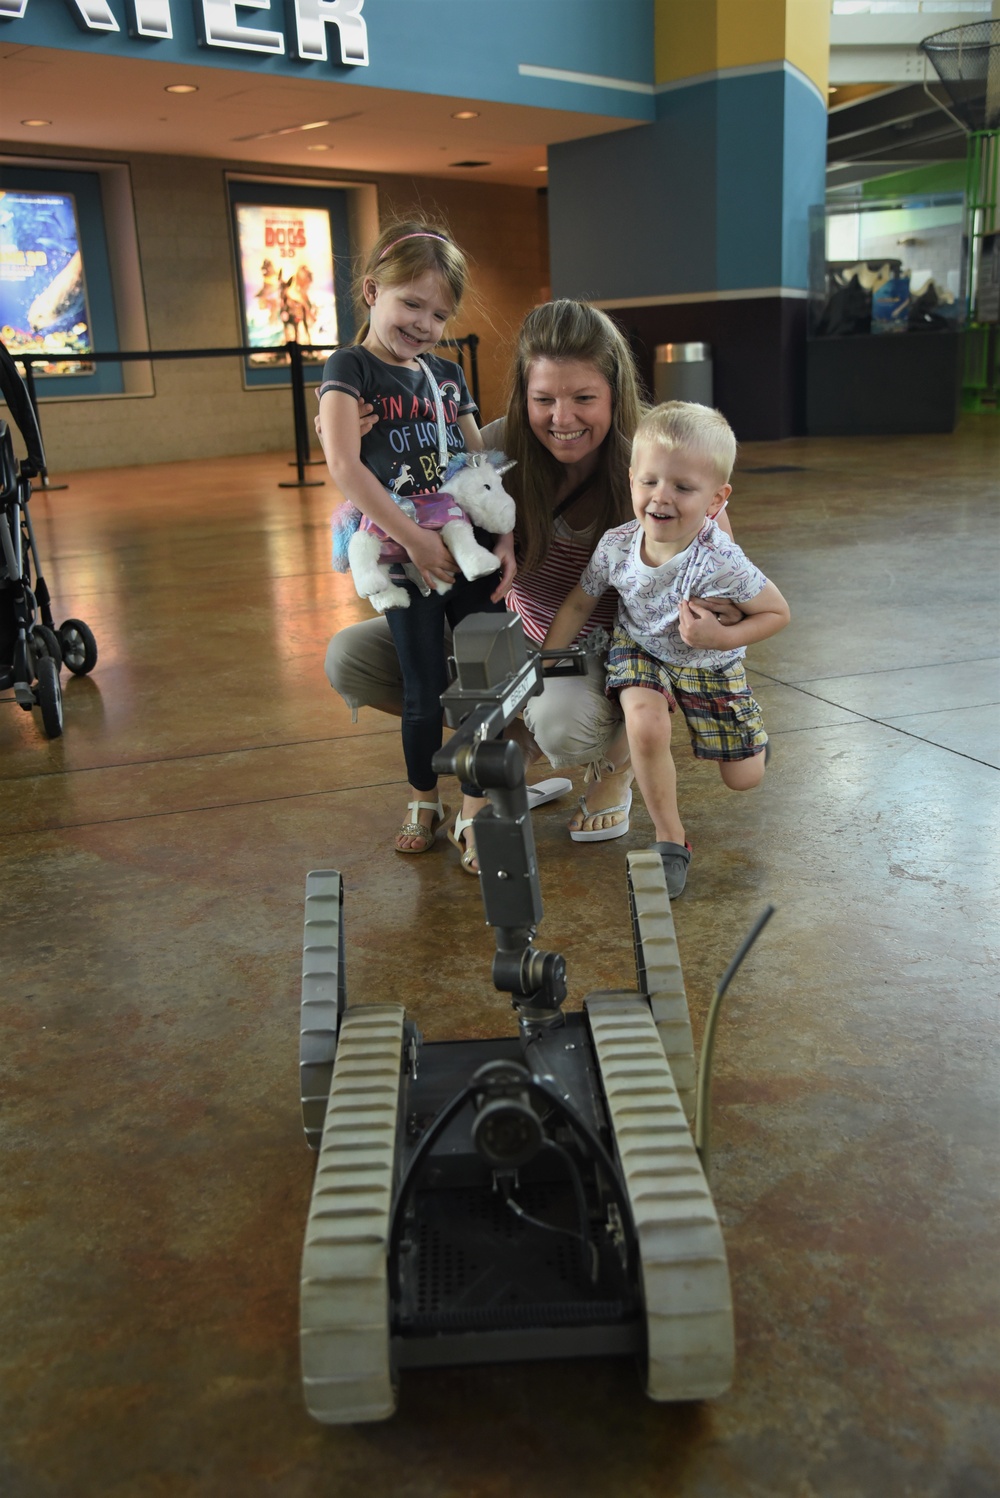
{"x": 295, "y": 364}
{"x": 472, "y": 339}
{"x": 310, "y": 461}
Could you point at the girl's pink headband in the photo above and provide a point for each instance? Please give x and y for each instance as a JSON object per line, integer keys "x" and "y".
{"x": 417, "y": 234}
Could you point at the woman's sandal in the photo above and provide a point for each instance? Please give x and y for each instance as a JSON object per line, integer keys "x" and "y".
{"x": 455, "y": 832}
{"x": 416, "y": 828}
{"x": 603, "y": 834}
{"x": 597, "y": 771}
{"x": 544, "y": 791}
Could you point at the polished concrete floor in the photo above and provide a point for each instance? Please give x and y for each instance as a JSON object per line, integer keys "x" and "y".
{"x": 155, "y": 1180}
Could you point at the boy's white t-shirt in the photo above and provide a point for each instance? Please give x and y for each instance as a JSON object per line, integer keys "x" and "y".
{"x": 713, "y": 566}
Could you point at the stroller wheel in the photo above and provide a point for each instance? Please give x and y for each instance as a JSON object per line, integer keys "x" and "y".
{"x": 49, "y": 696}
{"x": 79, "y": 648}
{"x": 45, "y": 641}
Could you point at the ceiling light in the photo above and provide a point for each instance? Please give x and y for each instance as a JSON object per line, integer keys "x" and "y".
{"x": 470, "y": 163}
{"x": 539, "y": 168}
{"x": 36, "y": 122}
{"x": 316, "y": 125}
{"x": 319, "y": 146}
{"x": 466, "y": 114}
{"x": 181, "y": 88}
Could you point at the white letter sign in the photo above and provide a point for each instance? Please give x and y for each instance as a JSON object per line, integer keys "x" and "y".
{"x": 96, "y": 15}
{"x": 311, "y": 20}
{"x": 218, "y": 24}
{"x": 222, "y": 29}
{"x": 152, "y": 18}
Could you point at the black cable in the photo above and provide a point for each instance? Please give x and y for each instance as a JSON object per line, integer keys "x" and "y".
{"x": 591, "y": 1260}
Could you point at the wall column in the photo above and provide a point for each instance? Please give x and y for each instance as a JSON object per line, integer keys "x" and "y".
{"x": 695, "y": 226}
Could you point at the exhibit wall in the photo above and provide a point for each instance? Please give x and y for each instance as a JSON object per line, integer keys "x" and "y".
{"x": 188, "y": 283}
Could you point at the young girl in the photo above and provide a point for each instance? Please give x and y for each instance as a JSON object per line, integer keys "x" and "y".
{"x": 412, "y": 284}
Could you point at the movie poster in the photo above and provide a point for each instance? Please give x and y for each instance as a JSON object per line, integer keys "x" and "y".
{"x": 43, "y": 293}
{"x": 286, "y": 263}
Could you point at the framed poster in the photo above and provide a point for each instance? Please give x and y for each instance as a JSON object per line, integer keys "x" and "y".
{"x": 293, "y": 273}
{"x": 43, "y": 286}
{"x": 286, "y": 261}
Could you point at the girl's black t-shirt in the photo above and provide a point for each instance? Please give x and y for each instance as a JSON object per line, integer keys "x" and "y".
{"x": 401, "y": 449}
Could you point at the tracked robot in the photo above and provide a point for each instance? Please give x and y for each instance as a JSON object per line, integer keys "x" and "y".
{"x": 540, "y": 1195}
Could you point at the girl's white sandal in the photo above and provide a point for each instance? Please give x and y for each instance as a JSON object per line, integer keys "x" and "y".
{"x": 416, "y": 828}
{"x": 455, "y": 832}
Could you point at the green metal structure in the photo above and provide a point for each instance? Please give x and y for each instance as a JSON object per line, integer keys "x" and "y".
{"x": 967, "y": 61}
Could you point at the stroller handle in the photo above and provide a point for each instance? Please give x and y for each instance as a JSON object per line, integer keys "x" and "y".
{"x": 15, "y": 393}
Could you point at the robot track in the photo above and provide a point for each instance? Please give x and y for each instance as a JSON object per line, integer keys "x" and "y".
{"x": 346, "y": 1368}
{"x": 685, "y": 1277}
{"x": 658, "y": 966}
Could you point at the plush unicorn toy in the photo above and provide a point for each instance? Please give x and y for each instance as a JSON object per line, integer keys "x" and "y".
{"x": 471, "y": 493}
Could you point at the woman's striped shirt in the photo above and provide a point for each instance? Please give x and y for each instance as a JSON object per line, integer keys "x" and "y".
{"x": 537, "y": 595}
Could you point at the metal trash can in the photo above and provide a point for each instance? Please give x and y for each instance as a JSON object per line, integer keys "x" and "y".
{"x": 683, "y": 372}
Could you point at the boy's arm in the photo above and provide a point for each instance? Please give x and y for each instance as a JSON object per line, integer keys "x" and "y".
{"x": 572, "y": 614}
{"x": 764, "y": 615}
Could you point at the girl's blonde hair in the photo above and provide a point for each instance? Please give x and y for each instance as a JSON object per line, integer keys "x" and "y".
{"x": 698, "y": 429}
{"x": 565, "y": 330}
{"x": 405, "y": 249}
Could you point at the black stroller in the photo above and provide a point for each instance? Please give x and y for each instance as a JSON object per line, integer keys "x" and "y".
{"x": 32, "y": 650}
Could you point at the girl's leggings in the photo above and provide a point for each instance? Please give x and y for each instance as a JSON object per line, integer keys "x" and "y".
{"x": 418, "y": 634}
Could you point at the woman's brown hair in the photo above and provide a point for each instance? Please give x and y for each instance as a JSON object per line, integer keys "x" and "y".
{"x": 565, "y": 330}
{"x": 406, "y": 248}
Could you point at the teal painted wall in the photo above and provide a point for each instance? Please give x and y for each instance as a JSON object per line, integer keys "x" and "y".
{"x": 712, "y": 196}
{"x": 461, "y": 48}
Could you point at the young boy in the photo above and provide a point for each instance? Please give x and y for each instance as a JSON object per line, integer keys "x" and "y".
{"x": 667, "y": 653}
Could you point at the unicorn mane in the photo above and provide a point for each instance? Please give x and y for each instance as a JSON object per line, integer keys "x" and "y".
{"x": 462, "y": 459}
{"x": 345, "y": 520}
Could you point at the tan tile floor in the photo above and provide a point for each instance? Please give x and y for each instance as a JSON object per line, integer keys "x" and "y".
{"x": 155, "y": 1181}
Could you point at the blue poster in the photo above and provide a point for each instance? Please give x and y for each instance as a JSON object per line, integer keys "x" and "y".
{"x": 43, "y": 294}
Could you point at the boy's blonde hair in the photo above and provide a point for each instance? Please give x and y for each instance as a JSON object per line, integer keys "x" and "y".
{"x": 700, "y": 429}
{"x": 404, "y": 250}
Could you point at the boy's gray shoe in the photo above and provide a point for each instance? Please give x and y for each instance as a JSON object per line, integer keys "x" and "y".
{"x": 675, "y": 858}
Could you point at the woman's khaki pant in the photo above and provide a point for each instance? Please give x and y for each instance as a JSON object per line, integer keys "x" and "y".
{"x": 571, "y": 720}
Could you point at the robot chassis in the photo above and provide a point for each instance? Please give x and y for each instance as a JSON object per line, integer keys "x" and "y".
{"x": 539, "y": 1196}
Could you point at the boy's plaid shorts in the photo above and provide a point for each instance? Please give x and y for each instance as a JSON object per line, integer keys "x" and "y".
{"x": 721, "y": 713}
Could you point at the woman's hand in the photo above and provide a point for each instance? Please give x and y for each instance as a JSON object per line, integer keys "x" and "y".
{"x": 724, "y": 609}
{"x": 700, "y": 626}
{"x": 431, "y": 557}
{"x": 504, "y": 549}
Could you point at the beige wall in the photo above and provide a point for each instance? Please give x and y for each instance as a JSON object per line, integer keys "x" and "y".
{"x": 200, "y": 408}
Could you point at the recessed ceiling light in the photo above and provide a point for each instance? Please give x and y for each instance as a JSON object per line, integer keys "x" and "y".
{"x": 540, "y": 169}
{"x": 466, "y": 114}
{"x": 319, "y": 146}
{"x": 36, "y": 122}
{"x": 470, "y": 163}
{"x": 181, "y": 88}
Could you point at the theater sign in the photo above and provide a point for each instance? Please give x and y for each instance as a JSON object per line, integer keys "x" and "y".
{"x": 219, "y": 24}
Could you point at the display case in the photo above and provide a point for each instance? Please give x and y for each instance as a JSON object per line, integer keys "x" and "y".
{"x": 886, "y": 313}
